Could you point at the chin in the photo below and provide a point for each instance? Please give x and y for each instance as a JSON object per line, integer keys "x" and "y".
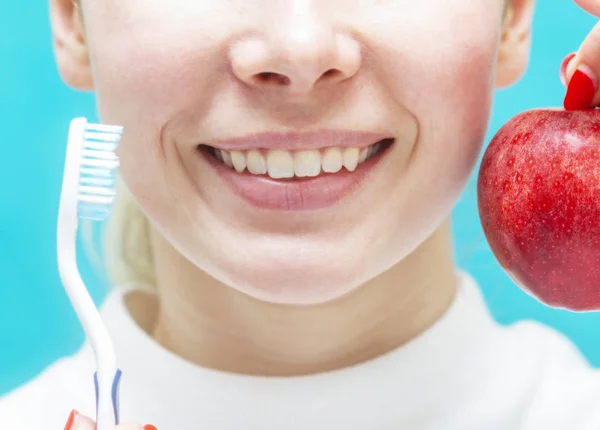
{"x": 296, "y": 283}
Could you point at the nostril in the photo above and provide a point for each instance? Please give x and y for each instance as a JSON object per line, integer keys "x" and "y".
{"x": 278, "y": 79}
{"x": 273, "y": 78}
{"x": 331, "y": 73}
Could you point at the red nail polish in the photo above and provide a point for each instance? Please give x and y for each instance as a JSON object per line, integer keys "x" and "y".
{"x": 71, "y": 420}
{"x": 149, "y": 427}
{"x": 580, "y": 93}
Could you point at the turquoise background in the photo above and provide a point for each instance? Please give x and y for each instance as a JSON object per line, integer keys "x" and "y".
{"x": 37, "y": 324}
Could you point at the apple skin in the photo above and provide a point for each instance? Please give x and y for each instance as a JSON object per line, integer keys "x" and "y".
{"x": 538, "y": 195}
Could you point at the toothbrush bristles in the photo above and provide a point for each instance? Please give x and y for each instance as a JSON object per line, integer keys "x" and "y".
{"x": 98, "y": 171}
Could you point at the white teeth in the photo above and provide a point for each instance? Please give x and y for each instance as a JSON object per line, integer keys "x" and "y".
{"x": 350, "y": 158}
{"x": 362, "y": 156}
{"x": 239, "y": 160}
{"x": 307, "y": 163}
{"x": 332, "y": 160}
{"x": 226, "y": 157}
{"x": 257, "y": 164}
{"x": 280, "y": 164}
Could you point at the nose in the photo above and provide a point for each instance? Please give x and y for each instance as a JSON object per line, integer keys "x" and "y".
{"x": 298, "y": 55}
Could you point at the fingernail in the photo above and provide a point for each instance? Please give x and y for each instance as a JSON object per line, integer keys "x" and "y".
{"x": 71, "y": 420}
{"x": 149, "y": 427}
{"x": 563, "y": 67}
{"x": 581, "y": 89}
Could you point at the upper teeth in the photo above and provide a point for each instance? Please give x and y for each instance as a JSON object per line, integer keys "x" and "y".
{"x": 279, "y": 163}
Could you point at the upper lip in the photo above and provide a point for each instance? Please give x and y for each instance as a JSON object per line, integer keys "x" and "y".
{"x": 300, "y": 141}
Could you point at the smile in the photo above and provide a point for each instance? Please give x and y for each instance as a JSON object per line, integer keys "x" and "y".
{"x": 283, "y": 164}
{"x": 292, "y": 175}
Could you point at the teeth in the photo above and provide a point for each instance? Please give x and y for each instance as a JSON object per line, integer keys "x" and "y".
{"x": 256, "y": 162}
{"x": 238, "y": 160}
{"x": 362, "y": 156}
{"x": 307, "y": 163}
{"x": 280, "y": 164}
{"x": 350, "y": 158}
{"x": 226, "y": 157}
{"x": 332, "y": 160}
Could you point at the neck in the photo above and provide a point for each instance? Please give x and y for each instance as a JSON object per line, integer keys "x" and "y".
{"x": 215, "y": 326}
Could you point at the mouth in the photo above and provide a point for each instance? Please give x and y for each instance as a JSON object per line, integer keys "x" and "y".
{"x": 298, "y": 179}
{"x": 281, "y": 164}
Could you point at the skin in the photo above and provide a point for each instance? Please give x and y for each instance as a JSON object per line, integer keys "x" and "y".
{"x": 249, "y": 291}
{"x": 587, "y": 56}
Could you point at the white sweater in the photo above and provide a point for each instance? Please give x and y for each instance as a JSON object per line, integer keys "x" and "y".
{"x": 465, "y": 373}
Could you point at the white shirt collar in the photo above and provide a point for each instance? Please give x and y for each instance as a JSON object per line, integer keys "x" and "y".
{"x": 391, "y": 391}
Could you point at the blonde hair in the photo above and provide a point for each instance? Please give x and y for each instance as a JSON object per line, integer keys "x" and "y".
{"x": 126, "y": 249}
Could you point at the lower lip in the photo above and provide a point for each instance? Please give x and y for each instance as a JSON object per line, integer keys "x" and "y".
{"x": 297, "y": 194}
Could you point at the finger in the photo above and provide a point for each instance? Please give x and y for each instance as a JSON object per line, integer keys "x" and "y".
{"x": 587, "y": 63}
{"x": 591, "y": 6}
{"x": 77, "y": 421}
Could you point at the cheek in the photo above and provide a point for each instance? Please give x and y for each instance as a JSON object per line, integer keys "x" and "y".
{"x": 145, "y": 80}
{"x": 138, "y": 84}
{"x": 440, "y": 59}
{"x": 147, "y": 70}
{"x": 451, "y": 100}
{"x": 446, "y": 81}
{"x": 461, "y": 114}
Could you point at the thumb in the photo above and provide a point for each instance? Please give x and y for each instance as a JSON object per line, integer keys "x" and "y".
{"x": 581, "y": 74}
{"x": 77, "y": 421}
{"x": 582, "y": 71}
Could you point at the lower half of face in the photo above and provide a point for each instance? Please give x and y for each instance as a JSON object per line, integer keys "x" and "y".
{"x": 294, "y": 155}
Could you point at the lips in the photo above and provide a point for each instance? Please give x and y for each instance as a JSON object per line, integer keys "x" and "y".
{"x": 295, "y": 172}
{"x": 300, "y": 141}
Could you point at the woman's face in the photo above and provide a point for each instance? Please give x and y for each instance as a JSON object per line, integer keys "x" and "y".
{"x": 288, "y": 75}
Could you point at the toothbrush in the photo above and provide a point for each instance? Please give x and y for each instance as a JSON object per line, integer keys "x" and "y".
{"x": 88, "y": 191}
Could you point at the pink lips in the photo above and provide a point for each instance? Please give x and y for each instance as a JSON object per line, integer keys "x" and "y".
{"x": 296, "y": 194}
{"x": 298, "y": 141}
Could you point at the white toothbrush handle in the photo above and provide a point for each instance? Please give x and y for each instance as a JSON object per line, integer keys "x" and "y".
{"x": 93, "y": 326}
{"x": 107, "y": 405}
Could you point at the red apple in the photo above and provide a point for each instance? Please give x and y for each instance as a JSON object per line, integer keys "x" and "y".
{"x": 538, "y": 194}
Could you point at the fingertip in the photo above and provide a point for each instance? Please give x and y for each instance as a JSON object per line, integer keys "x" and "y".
{"x": 572, "y": 65}
{"x": 77, "y": 421}
{"x": 564, "y": 67}
{"x": 86, "y": 423}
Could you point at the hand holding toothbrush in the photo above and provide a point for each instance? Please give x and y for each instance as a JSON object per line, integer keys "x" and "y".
{"x": 76, "y": 421}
